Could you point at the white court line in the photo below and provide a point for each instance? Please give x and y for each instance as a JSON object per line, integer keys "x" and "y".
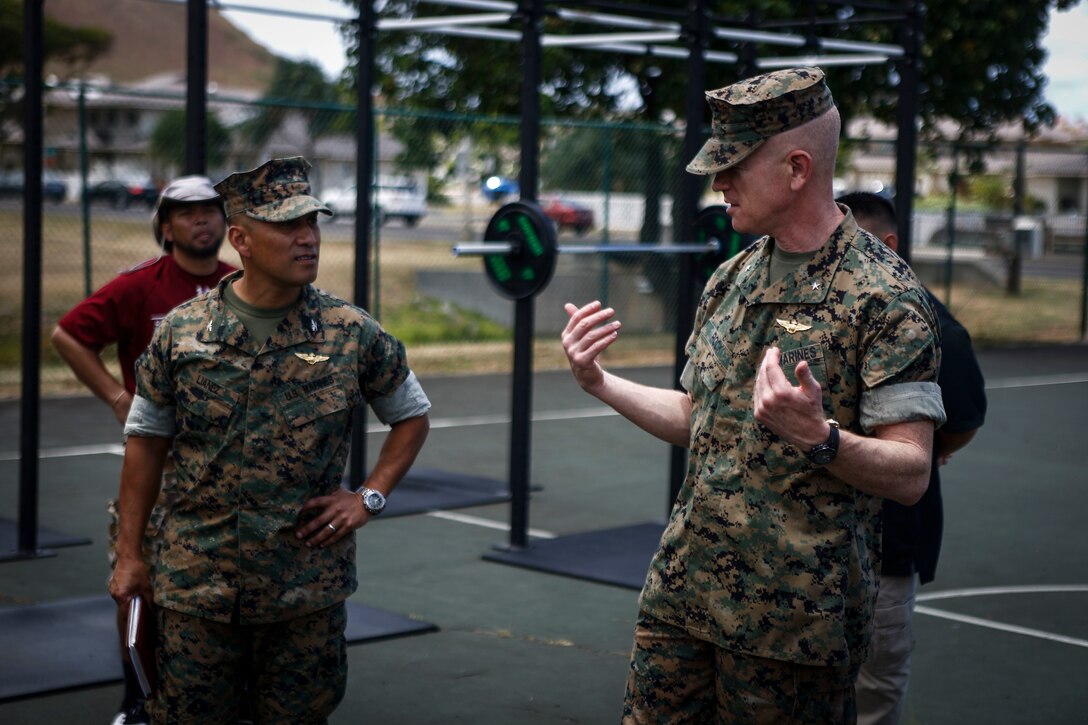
{"x": 486, "y": 523}
{"x": 998, "y": 591}
{"x": 992, "y": 591}
{"x": 462, "y": 422}
{"x": 1037, "y": 380}
{"x": 1001, "y": 627}
{"x": 554, "y": 415}
{"x": 115, "y": 448}
{"x": 504, "y": 418}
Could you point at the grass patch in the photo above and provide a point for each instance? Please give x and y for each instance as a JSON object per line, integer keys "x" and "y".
{"x": 442, "y": 338}
{"x": 1046, "y": 311}
{"x": 426, "y": 320}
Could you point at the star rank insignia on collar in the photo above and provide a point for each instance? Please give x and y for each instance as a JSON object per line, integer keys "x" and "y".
{"x": 815, "y": 285}
{"x": 792, "y": 327}
{"x": 310, "y": 359}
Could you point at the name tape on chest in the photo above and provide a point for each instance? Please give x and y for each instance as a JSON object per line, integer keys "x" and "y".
{"x": 810, "y": 354}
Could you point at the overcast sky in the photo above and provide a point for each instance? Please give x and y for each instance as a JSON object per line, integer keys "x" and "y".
{"x": 1066, "y": 67}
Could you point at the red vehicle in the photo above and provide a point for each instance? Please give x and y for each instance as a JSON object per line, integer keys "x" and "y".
{"x": 569, "y": 215}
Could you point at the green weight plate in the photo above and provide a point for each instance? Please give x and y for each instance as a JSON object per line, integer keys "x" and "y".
{"x": 528, "y": 269}
{"x": 713, "y": 223}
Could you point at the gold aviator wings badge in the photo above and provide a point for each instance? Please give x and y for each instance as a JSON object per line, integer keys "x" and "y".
{"x": 310, "y": 358}
{"x": 791, "y": 326}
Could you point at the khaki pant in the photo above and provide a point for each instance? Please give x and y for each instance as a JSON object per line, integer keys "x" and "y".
{"x": 882, "y": 683}
{"x": 676, "y": 678}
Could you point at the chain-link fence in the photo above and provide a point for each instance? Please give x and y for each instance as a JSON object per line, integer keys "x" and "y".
{"x": 998, "y": 232}
{"x": 440, "y": 177}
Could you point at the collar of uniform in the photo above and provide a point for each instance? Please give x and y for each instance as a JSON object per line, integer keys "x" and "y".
{"x": 808, "y": 284}
{"x": 302, "y": 324}
{"x": 303, "y": 321}
{"x": 222, "y": 325}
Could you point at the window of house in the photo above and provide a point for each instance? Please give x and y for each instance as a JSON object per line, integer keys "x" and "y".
{"x": 1070, "y": 196}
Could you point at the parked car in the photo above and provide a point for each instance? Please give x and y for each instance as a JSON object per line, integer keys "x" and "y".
{"x": 120, "y": 194}
{"x": 340, "y": 200}
{"x": 395, "y": 197}
{"x": 496, "y": 188}
{"x": 53, "y": 188}
{"x": 569, "y": 214}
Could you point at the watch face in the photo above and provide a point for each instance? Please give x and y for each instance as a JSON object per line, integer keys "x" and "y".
{"x": 374, "y": 501}
{"x": 821, "y": 456}
{"x": 825, "y": 453}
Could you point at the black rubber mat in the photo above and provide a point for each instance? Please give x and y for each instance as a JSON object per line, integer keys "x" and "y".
{"x": 425, "y": 489}
{"x": 73, "y": 643}
{"x": 47, "y": 538}
{"x": 618, "y": 556}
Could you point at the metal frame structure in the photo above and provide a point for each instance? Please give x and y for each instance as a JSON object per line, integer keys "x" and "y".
{"x": 26, "y": 545}
{"x": 665, "y": 32}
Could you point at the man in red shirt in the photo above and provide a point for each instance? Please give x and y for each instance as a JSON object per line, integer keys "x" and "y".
{"x": 189, "y": 224}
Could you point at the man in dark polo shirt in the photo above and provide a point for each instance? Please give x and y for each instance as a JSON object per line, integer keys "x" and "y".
{"x": 912, "y": 534}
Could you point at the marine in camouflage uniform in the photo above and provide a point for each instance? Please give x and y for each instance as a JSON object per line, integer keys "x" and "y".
{"x": 758, "y": 604}
{"x": 189, "y": 224}
{"x": 258, "y": 552}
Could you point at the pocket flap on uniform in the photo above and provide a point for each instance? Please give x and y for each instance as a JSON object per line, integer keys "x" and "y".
{"x": 710, "y": 359}
{"x": 210, "y": 402}
{"x": 304, "y": 406}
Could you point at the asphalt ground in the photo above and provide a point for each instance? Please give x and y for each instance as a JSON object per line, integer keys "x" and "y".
{"x": 1002, "y": 634}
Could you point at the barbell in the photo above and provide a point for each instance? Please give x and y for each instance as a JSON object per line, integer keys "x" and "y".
{"x": 519, "y": 247}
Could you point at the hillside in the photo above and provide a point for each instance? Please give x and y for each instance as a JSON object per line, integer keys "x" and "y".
{"x": 149, "y": 38}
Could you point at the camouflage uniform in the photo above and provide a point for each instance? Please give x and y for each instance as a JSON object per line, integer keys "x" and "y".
{"x": 260, "y": 428}
{"x": 296, "y": 653}
{"x": 260, "y": 431}
{"x": 767, "y": 557}
{"x": 153, "y": 533}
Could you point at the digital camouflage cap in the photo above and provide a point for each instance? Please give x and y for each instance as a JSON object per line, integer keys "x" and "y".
{"x": 747, "y": 113}
{"x": 276, "y": 191}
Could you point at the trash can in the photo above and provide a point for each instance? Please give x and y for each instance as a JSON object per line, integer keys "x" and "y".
{"x": 1028, "y": 235}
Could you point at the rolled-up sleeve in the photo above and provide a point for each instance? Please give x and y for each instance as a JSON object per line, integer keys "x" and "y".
{"x": 407, "y": 401}
{"x": 901, "y": 403}
{"x": 148, "y": 420}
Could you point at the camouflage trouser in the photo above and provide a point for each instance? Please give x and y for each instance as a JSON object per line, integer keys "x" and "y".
{"x": 676, "y": 678}
{"x": 297, "y": 669}
{"x": 168, "y": 494}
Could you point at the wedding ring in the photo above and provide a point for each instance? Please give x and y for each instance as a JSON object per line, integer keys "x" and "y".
{"x": 331, "y": 527}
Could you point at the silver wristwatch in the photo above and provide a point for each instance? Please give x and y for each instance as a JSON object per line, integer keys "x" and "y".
{"x": 373, "y": 501}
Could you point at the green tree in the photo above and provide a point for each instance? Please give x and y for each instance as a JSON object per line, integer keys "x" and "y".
{"x": 981, "y": 63}
{"x": 299, "y": 91}
{"x": 167, "y": 144}
{"x": 73, "y": 48}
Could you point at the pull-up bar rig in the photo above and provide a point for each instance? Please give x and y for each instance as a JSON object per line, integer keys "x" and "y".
{"x": 520, "y": 250}
{"x": 694, "y": 28}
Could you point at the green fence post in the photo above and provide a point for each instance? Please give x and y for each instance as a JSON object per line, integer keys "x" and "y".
{"x": 376, "y": 219}
{"x": 954, "y": 180}
{"x": 1084, "y": 286}
{"x": 607, "y": 183}
{"x": 84, "y": 202}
